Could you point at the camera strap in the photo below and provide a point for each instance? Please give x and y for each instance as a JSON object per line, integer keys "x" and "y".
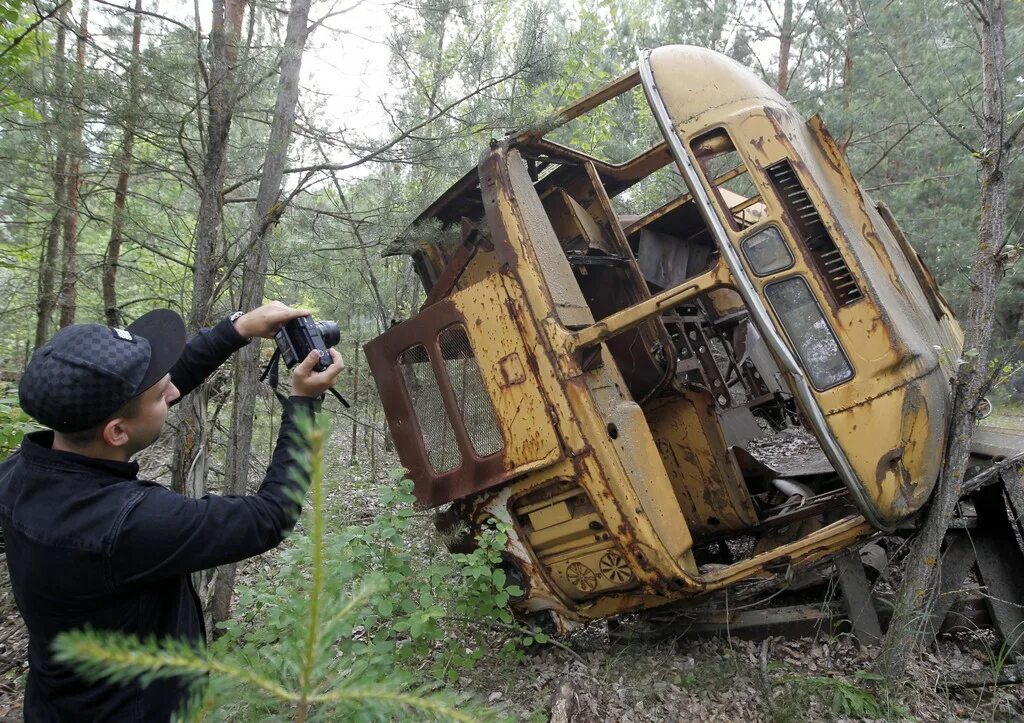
{"x": 271, "y": 373}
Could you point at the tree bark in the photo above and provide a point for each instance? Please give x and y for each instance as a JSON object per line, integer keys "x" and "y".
{"x": 191, "y": 460}
{"x": 267, "y": 212}
{"x": 68, "y": 299}
{"x": 47, "y": 299}
{"x": 917, "y": 590}
{"x": 124, "y": 166}
{"x": 785, "y": 46}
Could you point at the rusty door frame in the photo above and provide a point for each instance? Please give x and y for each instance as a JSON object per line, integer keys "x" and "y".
{"x": 382, "y": 354}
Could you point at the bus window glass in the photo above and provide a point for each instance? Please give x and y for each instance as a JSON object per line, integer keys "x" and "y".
{"x": 766, "y": 252}
{"x": 813, "y": 339}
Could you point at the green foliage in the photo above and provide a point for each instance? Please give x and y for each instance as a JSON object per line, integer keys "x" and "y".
{"x": 403, "y": 611}
{"x": 349, "y": 624}
{"x": 14, "y": 30}
{"x": 852, "y": 699}
{"x": 14, "y": 423}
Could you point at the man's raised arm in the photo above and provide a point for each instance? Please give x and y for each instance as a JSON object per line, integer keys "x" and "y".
{"x": 210, "y": 348}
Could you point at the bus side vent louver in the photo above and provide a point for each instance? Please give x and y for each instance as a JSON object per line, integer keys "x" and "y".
{"x": 813, "y": 235}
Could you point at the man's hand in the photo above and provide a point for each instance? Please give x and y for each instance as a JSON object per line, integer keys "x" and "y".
{"x": 309, "y": 383}
{"x": 266, "y": 320}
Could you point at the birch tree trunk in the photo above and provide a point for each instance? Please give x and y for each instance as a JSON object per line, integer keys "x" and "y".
{"x": 47, "y": 299}
{"x": 68, "y": 299}
{"x": 265, "y": 215}
{"x": 917, "y": 590}
{"x": 124, "y": 166}
{"x": 191, "y": 459}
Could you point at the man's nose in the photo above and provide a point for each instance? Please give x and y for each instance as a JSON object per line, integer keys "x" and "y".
{"x": 172, "y": 393}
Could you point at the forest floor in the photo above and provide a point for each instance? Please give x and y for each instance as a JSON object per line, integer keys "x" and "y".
{"x": 599, "y": 677}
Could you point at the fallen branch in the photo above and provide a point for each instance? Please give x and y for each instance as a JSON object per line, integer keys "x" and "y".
{"x": 521, "y": 630}
{"x": 985, "y": 478}
{"x": 1010, "y": 674}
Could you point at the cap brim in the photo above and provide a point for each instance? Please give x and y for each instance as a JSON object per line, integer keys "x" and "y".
{"x": 165, "y": 332}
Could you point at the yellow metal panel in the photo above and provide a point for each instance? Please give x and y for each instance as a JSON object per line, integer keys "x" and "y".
{"x": 597, "y": 571}
{"x": 551, "y": 515}
{"x": 704, "y": 473}
{"x": 491, "y": 311}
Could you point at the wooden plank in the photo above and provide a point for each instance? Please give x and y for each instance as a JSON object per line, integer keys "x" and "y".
{"x": 956, "y": 563}
{"x": 791, "y": 621}
{"x": 1013, "y": 482}
{"x": 1000, "y": 561}
{"x": 857, "y": 598}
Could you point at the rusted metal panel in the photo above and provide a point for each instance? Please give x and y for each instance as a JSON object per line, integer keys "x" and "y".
{"x": 523, "y": 448}
{"x": 615, "y": 382}
{"x": 1012, "y": 478}
{"x": 383, "y": 354}
{"x": 562, "y": 116}
{"x": 457, "y": 265}
{"x": 996, "y": 442}
{"x": 704, "y": 474}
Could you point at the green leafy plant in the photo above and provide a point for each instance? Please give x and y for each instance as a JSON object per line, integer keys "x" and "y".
{"x": 435, "y": 613}
{"x": 14, "y": 423}
{"x": 853, "y": 699}
{"x": 330, "y": 634}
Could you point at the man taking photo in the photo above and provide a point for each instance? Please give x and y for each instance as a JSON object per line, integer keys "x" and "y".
{"x": 91, "y": 545}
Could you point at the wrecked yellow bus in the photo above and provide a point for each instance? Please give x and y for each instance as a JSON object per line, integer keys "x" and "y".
{"x": 606, "y": 342}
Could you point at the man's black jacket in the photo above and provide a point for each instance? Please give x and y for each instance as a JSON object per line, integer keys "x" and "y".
{"x": 89, "y": 544}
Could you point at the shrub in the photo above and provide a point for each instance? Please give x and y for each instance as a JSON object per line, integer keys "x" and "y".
{"x": 14, "y": 423}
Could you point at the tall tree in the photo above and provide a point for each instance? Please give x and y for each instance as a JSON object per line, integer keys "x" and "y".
{"x": 47, "y": 298}
{"x": 124, "y": 169}
{"x": 785, "y": 27}
{"x": 68, "y": 299}
{"x": 191, "y": 463}
{"x": 918, "y": 587}
{"x": 256, "y": 250}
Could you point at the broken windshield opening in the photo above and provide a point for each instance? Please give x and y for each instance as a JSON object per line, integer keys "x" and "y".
{"x": 727, "y": 174}
{"x": 598, "y": 132}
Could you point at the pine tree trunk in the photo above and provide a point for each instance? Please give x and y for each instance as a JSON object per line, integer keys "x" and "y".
{"x": 191, "y": 463}
{"x": 47, "y": 299}
{"x": 124, "y": 166}
{"x": 265, "y": 215}
{"x": 917, "y": 590}
{"x": 68, "y": 299}
{"x": 785, "y": 46}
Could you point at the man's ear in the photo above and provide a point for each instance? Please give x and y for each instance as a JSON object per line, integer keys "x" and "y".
{"x": 115, "y": 432}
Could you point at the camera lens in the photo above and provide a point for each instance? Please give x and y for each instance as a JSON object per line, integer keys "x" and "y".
{"x": 330, "y": 332}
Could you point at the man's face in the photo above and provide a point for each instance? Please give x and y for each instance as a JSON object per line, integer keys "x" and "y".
{"x": 151, "y": 407}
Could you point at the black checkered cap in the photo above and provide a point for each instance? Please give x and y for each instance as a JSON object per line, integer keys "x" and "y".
{"x": 82, "y": 376}
{"x": 88, "y": 371}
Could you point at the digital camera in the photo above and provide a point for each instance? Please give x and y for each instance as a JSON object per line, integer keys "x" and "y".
{"x": 300, "y": 336}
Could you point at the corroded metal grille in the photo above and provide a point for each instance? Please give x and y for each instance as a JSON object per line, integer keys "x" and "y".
{"x": 474, "y": 404}
{"x": 813, "y": 234}
{"x": 438, "y": 435}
